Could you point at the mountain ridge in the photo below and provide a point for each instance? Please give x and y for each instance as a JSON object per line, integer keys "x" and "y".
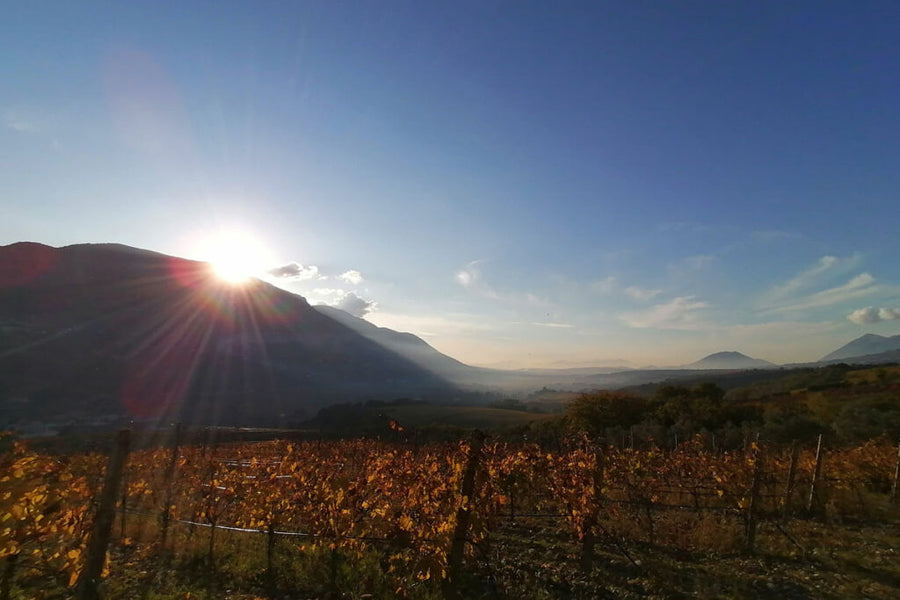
{"x": 865, "y": 345}
{"x": 95, "y": 329}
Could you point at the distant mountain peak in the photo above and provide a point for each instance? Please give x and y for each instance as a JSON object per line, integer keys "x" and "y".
{"x": 726, "y": 354}
{"x": 730, "y": 359}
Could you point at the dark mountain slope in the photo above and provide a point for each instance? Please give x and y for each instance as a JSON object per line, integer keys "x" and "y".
{"x": 107, "y": 329}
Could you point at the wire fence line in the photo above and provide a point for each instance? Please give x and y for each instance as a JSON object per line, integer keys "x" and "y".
{"x": 705, "y": 497}
{"x": 761, "y": 488}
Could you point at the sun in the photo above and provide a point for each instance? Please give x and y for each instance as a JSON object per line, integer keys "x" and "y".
{"x": 235, "y": 256}
{"x": 233, "y": 268}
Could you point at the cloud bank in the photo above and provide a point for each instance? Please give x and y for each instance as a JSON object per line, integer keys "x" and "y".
{"x": 872, "y": 314}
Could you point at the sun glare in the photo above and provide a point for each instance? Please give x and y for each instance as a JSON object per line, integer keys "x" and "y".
{"x": 236, "y": 257}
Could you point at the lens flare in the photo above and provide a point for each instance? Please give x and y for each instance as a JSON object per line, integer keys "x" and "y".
{"x": 235, "y": 256}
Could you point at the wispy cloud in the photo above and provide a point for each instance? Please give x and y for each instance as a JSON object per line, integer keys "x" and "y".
{"x": 679, "y": 313}
{"x": 642, "y": 294}
{"x": 857, "y": 287}
{"x": 872, "y": 314}
{"x": 605, "y": 286}
{"x": 470, "y": 277}
{"x": 297, "y": 272}
{"x": 21, "y": 121}
{"x": 803, "y": 280}
{"x": 798, "y": 292}
{"x": 610, "y": 285}
{"x": 554, "y": 325}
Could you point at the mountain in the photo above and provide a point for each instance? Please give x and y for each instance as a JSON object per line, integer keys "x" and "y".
{"x": 95, "y": 330}
{"x": 730, "y": 360}
{"x": 868, "y": 344}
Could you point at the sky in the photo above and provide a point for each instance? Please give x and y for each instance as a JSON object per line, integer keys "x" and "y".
{"x": 522, "y": 184}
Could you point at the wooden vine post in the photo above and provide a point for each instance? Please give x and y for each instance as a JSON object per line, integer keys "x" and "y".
{"x": 124, "y": 506}
{"x": 103, "y": 522}
{"x": 450, "y": 585}
{"x": 589, "y": 536}
{"x": 9, "y": 569}
{"x": 791, "y": 477}
{"x": 165, "y": 516}
{"x": 813, "y": 498}
{"x": 270, "y": 554}
{"x": 753, "y": 503}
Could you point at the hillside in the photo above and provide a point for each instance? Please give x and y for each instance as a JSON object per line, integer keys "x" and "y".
{"x": 406, "y": 345}
{"x": 104, "y": 330}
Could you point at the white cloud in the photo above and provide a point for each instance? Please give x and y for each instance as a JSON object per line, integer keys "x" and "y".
{"x": 347, "y": 301}
{"x": 678, "y": 313}
{"x": 296, "y": 271}
{"x": 872, "y": 314}
{"x": 328, "y": 296}
{"x": 352, "y": 276}
{"x": 554, "y": 325}
{"x": 356, "y": 306}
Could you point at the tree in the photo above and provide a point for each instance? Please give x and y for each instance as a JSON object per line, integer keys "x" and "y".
{"x": 593, "y": 412}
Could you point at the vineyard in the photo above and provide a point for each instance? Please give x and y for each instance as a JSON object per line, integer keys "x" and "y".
{"x": 367, "y": 518}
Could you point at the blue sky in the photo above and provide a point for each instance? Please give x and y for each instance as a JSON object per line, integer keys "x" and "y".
{"x": 522, "y": 184}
